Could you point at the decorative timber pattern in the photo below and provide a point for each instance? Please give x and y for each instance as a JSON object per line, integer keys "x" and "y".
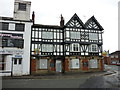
{"x": 72, "y": 39}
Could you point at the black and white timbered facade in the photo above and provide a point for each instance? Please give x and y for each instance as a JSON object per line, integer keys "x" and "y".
{"x": 74, "y": 46}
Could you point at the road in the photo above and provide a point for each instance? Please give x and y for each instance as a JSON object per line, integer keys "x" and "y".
{"x": 46, "y": 83}
{"x": 104, "y": 81}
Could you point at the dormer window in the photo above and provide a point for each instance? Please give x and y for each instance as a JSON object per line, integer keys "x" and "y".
{"x": 22, "y": 7}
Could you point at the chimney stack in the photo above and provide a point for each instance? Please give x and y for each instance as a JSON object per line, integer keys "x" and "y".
{"x": 33, "y": 17}
{"x": 62, "y": 21}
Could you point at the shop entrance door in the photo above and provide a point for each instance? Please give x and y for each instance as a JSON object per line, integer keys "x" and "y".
{"x": 85, "y": 65}
{"x": 58, "y": 66}
{"x": 17, "y": 67}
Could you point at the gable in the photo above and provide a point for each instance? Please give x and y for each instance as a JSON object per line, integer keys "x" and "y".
{"x": 92, "y": 23}
{"x": 75, "y": 22}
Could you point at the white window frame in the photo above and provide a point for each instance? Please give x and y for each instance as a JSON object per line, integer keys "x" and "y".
{"x": 72, "y": 47}
{"x": 93, "y": 48}
{"x": 47, "y": 48}
{"x": 93, "y": 36}
{"x": 75, "y": 64}
{"x": 47, "y": 35}
{"x": 43, "y": 64}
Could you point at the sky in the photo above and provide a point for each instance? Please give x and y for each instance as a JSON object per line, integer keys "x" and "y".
{"x": 48, "y": 12}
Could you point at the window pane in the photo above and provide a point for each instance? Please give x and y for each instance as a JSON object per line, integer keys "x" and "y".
{"x": 19, "y": 27}
{"x": 75, "y": 47}
{"x": 15, "y": 61}
{"x": 20, "y": 61}
{"x": 22, "y": 6}
{"x": 93, "y": 36}
{"x": 10, "y": 43}
{"x": 93, "y": 48}
{"x": 5, "y": 26}
{"x": 75, "y": 35}
{"x": 47, "y": 48}
{"x": 47, "y": 35}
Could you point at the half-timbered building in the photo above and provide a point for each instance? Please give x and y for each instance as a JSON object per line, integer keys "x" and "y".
{"x": 70, "y": 47}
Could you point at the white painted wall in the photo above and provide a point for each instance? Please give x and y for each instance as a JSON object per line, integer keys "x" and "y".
{"x": 22, "y": 15}
{"x": 26, "y": 55}
{"x": 26, "y": 50}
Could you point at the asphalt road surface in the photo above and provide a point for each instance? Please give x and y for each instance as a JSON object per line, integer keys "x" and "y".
{"x": 106, "y": 81}
{"x": 46, "y": 83}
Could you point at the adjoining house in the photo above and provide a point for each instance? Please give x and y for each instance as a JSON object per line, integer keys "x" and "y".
{"x": 70, "y": 47}
{"x": 15, "y": 36}
{"x": 115, "y": 58}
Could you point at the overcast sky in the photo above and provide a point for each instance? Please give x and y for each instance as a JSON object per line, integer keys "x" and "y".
{"x": 49, "y": 11}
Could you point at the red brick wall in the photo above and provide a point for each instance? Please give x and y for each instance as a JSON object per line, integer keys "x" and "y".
{"x": 66, "y": 65}
{"x": 101, "y": 65}
{"x": 33, "y": 65}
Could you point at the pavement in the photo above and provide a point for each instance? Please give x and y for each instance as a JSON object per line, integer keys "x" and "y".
{"x": 61, "y": 76}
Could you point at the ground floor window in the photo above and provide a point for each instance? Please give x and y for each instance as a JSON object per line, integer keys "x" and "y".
{"x": 75, "y": 64}
{"x": 114, "y": 61}
{"x": 43, "y": 64}
{"x": 2, "y": 63}
{"x": 17, "y": 61}
{"x": 93, "y": 63}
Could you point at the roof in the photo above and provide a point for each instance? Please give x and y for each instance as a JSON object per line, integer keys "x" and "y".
{"x": 96, "y": 24}
{"x": 46, "y": 26}
{"x": 12, "y": 19}
{"x": 116, "y": 52}
{"x": 75, "y": 17}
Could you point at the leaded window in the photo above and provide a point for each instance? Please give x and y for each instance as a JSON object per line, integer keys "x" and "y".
{"x": 93, "y": 36}
{"x": 47, "y": 35}
{"x": 47, "y": 48}
{"x": 75, "y": 35}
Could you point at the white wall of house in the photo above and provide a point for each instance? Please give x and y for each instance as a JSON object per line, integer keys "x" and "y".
{"x": 27, "y": 43}
{"x": 21, "y": 15}
{"x": 26, "y": 50}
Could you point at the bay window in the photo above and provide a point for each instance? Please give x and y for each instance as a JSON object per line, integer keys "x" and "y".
{"x": 75, "y": 47}
{"x": 93, "y": 48}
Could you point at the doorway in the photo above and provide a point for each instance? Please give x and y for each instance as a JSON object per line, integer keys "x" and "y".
{"x": 17, "y": 66}
{"x": 58, "y": 66}
{"x": 85, "y": 65}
